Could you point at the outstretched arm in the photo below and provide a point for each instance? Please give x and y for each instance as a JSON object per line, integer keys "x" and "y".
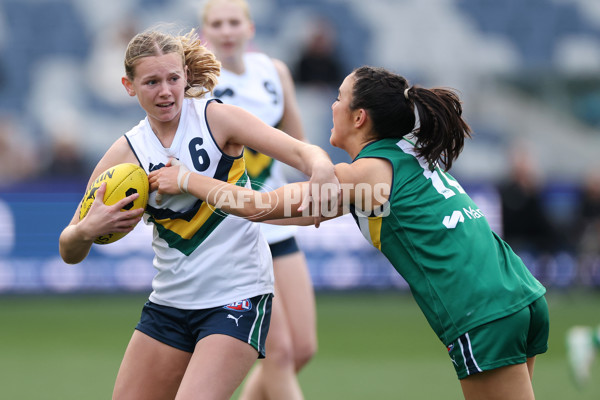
{"x": 366, "y": 184}
{"x": 237, "y": 127}
{"x": 283, "y": 203}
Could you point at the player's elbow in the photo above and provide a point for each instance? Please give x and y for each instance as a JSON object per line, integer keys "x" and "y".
{"x": 70, "y": 253}
{"x": 71, "y": 258}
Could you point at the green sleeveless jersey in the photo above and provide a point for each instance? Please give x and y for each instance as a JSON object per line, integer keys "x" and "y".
{"x": 460, "y": 272}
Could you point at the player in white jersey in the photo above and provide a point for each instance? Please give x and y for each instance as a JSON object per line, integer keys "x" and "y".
{"x": 209, "y": 311}
{"x": 264, "y": 86}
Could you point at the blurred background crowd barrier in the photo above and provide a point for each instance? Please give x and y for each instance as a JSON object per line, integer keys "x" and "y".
{"x": 528, "y": 73}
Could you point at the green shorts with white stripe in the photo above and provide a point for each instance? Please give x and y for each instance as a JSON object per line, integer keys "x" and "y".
{"x": 502, "y": 342}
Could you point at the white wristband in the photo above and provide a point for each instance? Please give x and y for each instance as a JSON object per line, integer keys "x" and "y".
{"x": 183, "y": 186}
{"x": 183, "y": 176}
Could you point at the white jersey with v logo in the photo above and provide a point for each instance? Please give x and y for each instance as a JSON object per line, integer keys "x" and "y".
{"x": 204, "y": 257}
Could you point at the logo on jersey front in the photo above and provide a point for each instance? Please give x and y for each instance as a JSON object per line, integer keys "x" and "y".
{"x": 457, "y": 216}
{"x": 239, "y": 306}
{"x": 152, "y": 167}
{"x": 450, "y": 222}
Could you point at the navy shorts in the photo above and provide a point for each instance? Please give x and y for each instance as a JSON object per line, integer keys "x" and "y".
{"x": 247, "y": 320}
{"x": 285, "y": 247}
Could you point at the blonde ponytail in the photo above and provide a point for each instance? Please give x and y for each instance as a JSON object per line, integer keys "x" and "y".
{"x": 203, "y": 67}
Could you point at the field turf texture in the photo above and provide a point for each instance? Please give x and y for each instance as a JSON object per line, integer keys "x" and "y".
{"x": 372, "y": 345}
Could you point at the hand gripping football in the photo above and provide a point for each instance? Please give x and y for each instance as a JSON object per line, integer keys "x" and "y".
{"x": 122, "y": 180}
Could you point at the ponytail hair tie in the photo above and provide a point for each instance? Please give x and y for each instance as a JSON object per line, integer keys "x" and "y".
{"x": 406, "y": 93}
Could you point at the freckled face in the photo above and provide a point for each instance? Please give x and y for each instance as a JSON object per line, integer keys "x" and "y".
{"x": 342, "y": 116}
{"x": 227, "y": 29}
{"x": 159, "y": 84}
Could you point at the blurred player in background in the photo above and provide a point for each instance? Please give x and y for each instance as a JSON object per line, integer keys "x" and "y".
{"x": 208, "y": 314}
{"x": 583, "y": 342}
{"x": 480, "y": 299}
{"x": 264, "y": 86}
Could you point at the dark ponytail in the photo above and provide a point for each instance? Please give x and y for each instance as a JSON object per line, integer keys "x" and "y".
{"x": 442, "y": 131}
{"x": 390, "y": 103}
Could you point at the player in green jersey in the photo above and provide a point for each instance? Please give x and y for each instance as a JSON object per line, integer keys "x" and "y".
{"x": 476, "y": 293}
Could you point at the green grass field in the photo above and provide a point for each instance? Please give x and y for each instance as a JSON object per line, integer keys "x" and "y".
{"x": 371, "y": 346}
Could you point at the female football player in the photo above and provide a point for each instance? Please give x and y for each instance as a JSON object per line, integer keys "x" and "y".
{"x": 477, "y": 295}
{"x": 206, "y": 319}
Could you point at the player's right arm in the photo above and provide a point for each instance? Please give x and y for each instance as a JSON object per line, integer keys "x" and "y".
{"x": 365, "y": 183}
{"x": 233, "y": 127}
{"x": 281, "y": 204}
{"x": 77, "y": 238}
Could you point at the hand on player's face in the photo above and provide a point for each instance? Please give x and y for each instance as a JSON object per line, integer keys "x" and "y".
{"x": 103, "y": 219}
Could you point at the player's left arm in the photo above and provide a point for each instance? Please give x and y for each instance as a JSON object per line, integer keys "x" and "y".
{"x": 280, "y": 204}
{"x": 243, "y": 202}
{"x": 365, "y": 182}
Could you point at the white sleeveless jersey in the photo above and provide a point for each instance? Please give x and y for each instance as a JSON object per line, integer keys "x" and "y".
{"x": 259, "y": 91}
{"x": 204, "y": 258}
